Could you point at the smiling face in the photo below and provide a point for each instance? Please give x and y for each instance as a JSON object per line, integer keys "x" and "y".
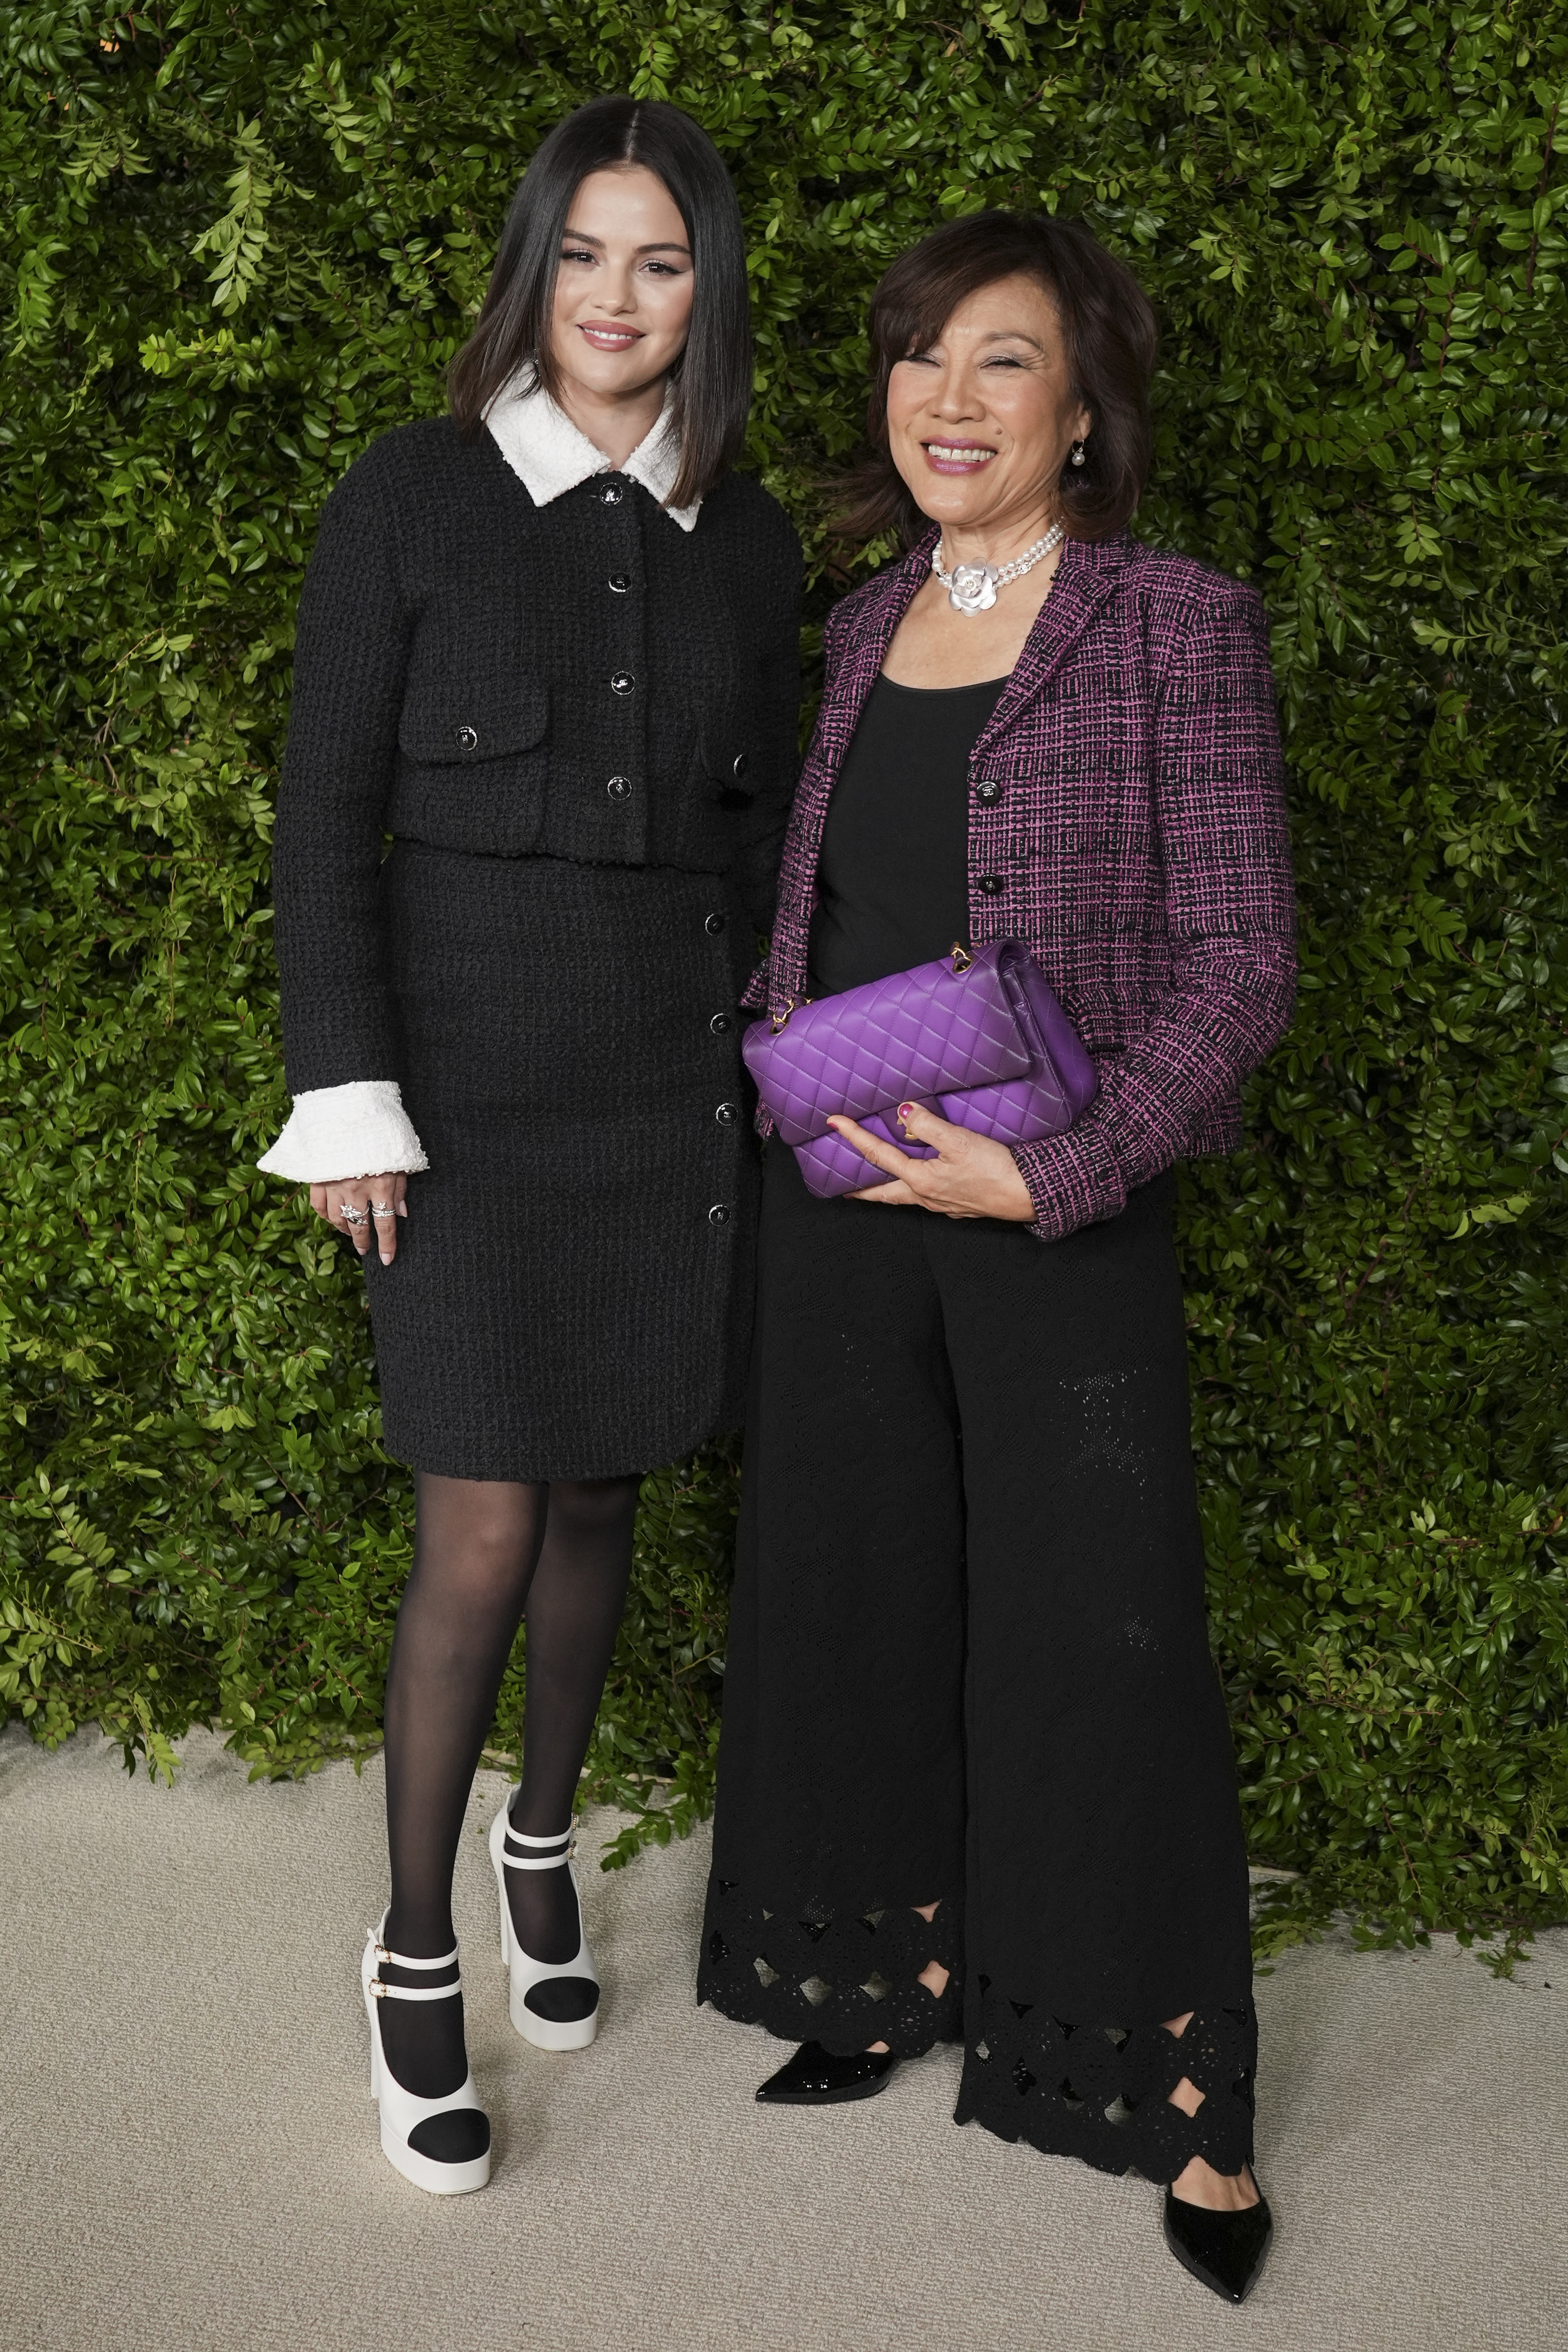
{"x": 623, "y": 288}
{"x": 980, "y": 424}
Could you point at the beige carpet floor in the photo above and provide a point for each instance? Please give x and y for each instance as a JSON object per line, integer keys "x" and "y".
{"x": 191, "y": 2165}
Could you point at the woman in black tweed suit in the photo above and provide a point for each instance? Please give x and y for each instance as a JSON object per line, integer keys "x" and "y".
{"x": 548, "y": 644}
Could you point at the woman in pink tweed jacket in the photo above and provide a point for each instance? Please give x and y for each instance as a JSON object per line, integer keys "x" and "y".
{"x": 1127, "y": 825}
{"x": 976, "y": 1780}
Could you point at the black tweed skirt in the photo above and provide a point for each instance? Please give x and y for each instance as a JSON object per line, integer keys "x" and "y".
{"x": 571, "y": 1290}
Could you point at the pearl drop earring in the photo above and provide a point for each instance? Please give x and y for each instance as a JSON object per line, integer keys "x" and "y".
{"x": 1077, "y": 453}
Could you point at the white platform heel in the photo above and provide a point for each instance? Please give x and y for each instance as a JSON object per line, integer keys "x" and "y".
{"x": 553, "y": 2005}
{"x": 405, "y": 2119}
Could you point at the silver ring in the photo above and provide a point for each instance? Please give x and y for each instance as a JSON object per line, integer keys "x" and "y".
{"x": 350, "y": 1216}
{"x": 381, "y": 1208}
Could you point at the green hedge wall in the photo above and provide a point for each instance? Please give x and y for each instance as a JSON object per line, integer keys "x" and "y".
{"x": 244, "y": 238}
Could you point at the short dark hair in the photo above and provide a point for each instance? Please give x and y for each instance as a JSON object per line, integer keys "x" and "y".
{"x": 712, "y": 378}
{"x": 1112, "y": 338}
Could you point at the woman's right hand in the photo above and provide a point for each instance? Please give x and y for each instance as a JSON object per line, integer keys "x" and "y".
{"x": 361, "y": 1205}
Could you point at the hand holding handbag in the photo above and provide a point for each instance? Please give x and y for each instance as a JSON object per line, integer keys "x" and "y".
{"x": 977, "y": 1037}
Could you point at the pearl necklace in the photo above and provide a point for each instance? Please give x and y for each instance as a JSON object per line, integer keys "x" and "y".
{"x": 971, "y": 587}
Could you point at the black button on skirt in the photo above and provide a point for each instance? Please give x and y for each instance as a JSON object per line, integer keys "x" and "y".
{"x": 564, "y": 1304}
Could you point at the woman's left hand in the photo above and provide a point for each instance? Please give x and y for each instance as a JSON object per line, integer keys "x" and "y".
{"x": 972, "y": 1175}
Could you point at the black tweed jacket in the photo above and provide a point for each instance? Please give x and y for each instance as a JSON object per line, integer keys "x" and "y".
{"x": 583, "y": 680}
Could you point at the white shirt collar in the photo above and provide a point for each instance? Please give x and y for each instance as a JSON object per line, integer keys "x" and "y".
{"x": 550, "y": 456}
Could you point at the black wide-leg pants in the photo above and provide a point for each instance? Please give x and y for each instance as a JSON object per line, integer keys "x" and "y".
{"x": 968, "y": 1665}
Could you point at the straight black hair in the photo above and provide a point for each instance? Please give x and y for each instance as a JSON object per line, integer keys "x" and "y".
{"x": 1111, "y": 341}
{"x": 712, "y": 378}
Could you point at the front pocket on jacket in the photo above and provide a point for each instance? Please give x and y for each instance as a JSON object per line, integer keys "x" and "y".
{"x": 473, "y": 764}
{"x": 466, "y": 722}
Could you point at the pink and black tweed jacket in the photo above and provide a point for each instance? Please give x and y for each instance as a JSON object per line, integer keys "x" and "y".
{"x": 1127, "y": 821}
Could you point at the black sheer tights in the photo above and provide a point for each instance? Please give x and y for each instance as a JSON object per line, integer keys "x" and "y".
{"x": 488, "y": 1555}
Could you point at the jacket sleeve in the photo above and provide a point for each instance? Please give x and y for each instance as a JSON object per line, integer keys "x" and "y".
{"x": 1230, "y": 918}
{"x": 350, "y": 660}
{"x": 778, "y": 693}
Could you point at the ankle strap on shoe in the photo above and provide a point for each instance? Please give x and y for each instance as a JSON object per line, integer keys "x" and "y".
{"x": 402, "y": 1960}
{"x": 562, "y": 1839}
{"x": 381, "y": 1990}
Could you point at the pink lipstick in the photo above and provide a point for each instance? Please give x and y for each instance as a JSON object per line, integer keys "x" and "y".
{"x": 958, "y": 456}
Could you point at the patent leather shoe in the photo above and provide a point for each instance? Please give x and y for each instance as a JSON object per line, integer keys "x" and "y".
{"x": 442, "y": 2145}
{"x": 1226, "y": 2251}
{"x": 815, "y": 2078}
{"x": 553, "y": 2005}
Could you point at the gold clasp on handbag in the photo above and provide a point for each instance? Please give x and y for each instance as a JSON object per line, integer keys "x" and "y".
{"x": 961, "y": 958}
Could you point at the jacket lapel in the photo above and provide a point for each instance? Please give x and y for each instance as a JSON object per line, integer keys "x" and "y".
{"x": 875, "y": 626}
{"x": 1087, "y": 577}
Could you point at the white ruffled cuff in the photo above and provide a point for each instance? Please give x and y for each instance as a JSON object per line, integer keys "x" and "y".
{"x": 336, "y": 1133}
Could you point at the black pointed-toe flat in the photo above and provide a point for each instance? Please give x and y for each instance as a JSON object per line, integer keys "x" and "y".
{"x": 815, "y": 2078}
{"x": 1225, "y": 2251}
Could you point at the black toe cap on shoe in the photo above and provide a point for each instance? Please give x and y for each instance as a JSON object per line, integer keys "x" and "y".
{"x": 459, "y": 2136}
{"x": 815, "y": 2078}
{"x": 1225, "y": 2251}
{"x": 562, "y": 2000}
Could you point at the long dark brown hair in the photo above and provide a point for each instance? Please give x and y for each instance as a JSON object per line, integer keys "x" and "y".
{"x": 1110, "y": 335}
{"x": 712, "y": 378}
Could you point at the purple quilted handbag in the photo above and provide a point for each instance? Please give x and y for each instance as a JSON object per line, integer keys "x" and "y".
{"x": 979, "y": 1038}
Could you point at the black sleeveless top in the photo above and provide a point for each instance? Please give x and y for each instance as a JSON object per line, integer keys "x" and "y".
{"x": 894, "y": 868}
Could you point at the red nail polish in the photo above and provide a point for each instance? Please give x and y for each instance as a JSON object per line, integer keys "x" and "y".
{"x": 906, "y": 1111}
